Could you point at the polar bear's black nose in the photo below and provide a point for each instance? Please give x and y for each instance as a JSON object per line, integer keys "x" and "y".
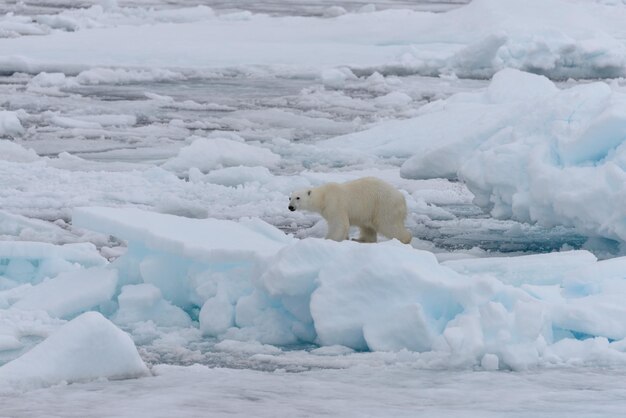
{"x": 291, "y": 208}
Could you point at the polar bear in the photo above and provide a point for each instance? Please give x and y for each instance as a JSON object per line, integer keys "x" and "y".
{"x": 369, "y": 203}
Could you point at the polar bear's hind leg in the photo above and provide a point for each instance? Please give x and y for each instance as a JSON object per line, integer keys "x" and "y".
{"x": 367, "y": 235}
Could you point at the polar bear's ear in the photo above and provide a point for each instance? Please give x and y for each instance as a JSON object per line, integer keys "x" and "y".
{"x": 309, "y": 193}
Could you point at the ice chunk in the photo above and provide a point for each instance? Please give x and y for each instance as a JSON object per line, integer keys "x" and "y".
{"x": 32, "y": 261}
{"x": 10, "y": 151}
{"x": 356, "y": 290}
{"x": 601, "y": 136}
{"x": 217, "y": 315}
{"x": 394, "y": 99}
{"x": 88, "y": 347}
{"x": 403, "y": 328}
{"x": 478, "y": 58}
{"x": 595, "y": 351}
{"x": 144, "y": 302}
{"x": 10, "y": 125}
{"x": 235, "y": 176}
{"x": 71, "y": 293}
{"x": 29, "y": 229}
{"x": 337, "y": 77}
{"x": 21, "y": 330}
{"x": 412, "y": 279}
{"x": 44, "y": 79}
{"x": 207, "y": 154}
{"x": 513, "y": 85}
{"x": 593, "y": 315}
{"x": 9, "y": 342}
{"x": 185, "y": 257}
{"x": 82, "y": 253}
{"x": 489, "y": 362}
{"x": 201, "y": 239}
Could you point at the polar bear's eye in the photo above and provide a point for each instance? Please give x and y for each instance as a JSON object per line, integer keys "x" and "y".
{"x": 298, "y": 198}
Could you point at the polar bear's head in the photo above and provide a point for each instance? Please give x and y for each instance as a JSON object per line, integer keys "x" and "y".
{"x": 300, "y": 199}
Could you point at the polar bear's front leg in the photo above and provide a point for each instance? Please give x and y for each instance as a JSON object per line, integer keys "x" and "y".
{"x": 338, "y": 229}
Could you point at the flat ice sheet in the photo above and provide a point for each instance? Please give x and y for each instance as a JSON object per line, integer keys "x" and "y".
{"x": 179, "y": 235}
{"x": 588, "y": 42}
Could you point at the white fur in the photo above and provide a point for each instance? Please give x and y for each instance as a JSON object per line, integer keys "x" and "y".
{"x": 369, "y": 203}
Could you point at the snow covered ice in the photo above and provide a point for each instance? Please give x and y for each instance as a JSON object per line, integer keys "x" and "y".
{"x": 569, "y": 38}
{"x": 149, "y": 264}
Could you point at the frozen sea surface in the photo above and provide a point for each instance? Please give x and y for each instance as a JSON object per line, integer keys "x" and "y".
{"x": 366, "y": 391}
